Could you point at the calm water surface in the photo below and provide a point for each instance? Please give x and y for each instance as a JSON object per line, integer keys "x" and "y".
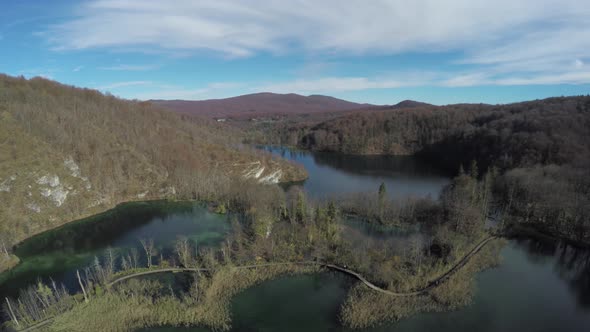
{"x": 538, "y": 287}
{"x": 335, "y": 174}
{"x": 57, "y": 254}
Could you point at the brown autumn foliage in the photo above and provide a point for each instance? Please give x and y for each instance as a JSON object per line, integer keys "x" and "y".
{"x": 67, "y": 152}
{"x": 541, "y": 147}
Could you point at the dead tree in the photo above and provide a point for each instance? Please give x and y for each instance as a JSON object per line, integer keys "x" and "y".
{"x": 12, "y": 315}
{"x": 82, "y": 286}
{"x": 150, "y": 251}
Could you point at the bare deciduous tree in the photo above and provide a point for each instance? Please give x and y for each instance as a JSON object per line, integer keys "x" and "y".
{"x": 184, "y": 251}
{"x": 150, "y": 250}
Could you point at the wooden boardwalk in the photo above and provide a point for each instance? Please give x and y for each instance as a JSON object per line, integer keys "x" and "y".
{"x": 433, "y": 284}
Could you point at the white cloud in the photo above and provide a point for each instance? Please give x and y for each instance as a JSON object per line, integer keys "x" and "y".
{"x": 117, "y": 85}
{"x": 332, "y": 85}
{"x": 580, "y": 77}
{"x": 494, "y": 42}
{"x": 123, "y": 67}
{"x": 335, "y": 84}
{"x": 170, "y": 92}
{"x": 77, "y": 69}
{"x": 240, "y": 28}
{"x": 441, "y": 79}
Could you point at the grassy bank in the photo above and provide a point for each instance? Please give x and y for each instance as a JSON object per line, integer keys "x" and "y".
{"x": 143, "y": 303}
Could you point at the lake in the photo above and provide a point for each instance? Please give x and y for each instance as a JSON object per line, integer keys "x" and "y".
{"x": 335, "y": 174}
{"x": 540, "y": 286}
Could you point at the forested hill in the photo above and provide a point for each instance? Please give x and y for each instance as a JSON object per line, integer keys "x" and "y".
{"x": 259, "y": 104}
{"x": 67, "y": 152}
{"x": 541, "y": 148}
{"x": 553, "y": 130}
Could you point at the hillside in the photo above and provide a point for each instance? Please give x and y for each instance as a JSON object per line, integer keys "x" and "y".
{"x": 259, "y": 104}
{"x": 552, "y": 130}
{"x": 288, "y": 129}
{"x": 541, "y": 149}
{"x": 67, "y": 152}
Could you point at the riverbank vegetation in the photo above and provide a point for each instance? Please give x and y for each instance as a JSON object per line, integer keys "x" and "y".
{"x": 273, "y": 233}
{"x": 364, "y": 308}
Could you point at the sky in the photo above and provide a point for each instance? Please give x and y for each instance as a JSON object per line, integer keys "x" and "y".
{"x": 377, "y": 51}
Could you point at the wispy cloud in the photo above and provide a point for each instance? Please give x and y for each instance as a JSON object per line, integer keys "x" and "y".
{"x": 123, "y": 67}
{"x": 507, "y": 42}
{"x": 211, "y": 90}
{"x": 334, "y": 84}
{"x": 77, "y": 69}
{"x": 422, "y": 79}
{"x": 117, "y": 85}
{"x": 238, "y": 28}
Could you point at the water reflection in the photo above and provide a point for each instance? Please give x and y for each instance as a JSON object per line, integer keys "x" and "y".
{"x": 526, "y": 292}
{"x": 334, "y": 174}
{"x": 570, "y": 263}
{"x": 57, "y": 254}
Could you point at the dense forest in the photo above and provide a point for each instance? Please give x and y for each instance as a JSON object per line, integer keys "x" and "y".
{"x": 67, "y": 152}
{"x": 541, "y": 148}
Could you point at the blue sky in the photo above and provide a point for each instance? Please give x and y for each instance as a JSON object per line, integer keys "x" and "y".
{"x": 379, "y": 51}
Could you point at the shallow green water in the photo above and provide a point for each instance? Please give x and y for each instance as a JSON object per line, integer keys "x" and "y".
{"x": 58, "y": 253}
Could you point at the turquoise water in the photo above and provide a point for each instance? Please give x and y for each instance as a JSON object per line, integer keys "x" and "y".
{"x": 58, "y": 253}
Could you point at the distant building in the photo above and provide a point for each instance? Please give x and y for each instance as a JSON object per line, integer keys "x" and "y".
{"x": 221, "y": 120}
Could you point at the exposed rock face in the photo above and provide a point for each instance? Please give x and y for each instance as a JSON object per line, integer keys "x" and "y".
{"x": 274, "y": 177}
{"x": 70, "y": 164}
{"x": 269, "y": 174}
{"x": 49, "y": 180}
{"x": 33, "y": 207}
{"x": 53, "y": 189}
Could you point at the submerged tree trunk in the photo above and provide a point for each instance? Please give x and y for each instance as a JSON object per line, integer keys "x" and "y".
{"x": 12, "y": 315}
{"x": 82, "y": 286}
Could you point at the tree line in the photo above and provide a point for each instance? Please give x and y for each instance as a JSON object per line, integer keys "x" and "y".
{"x": 540, "y": 149}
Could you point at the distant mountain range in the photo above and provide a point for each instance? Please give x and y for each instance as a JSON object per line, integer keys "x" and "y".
{"x": 260, "y": 104}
